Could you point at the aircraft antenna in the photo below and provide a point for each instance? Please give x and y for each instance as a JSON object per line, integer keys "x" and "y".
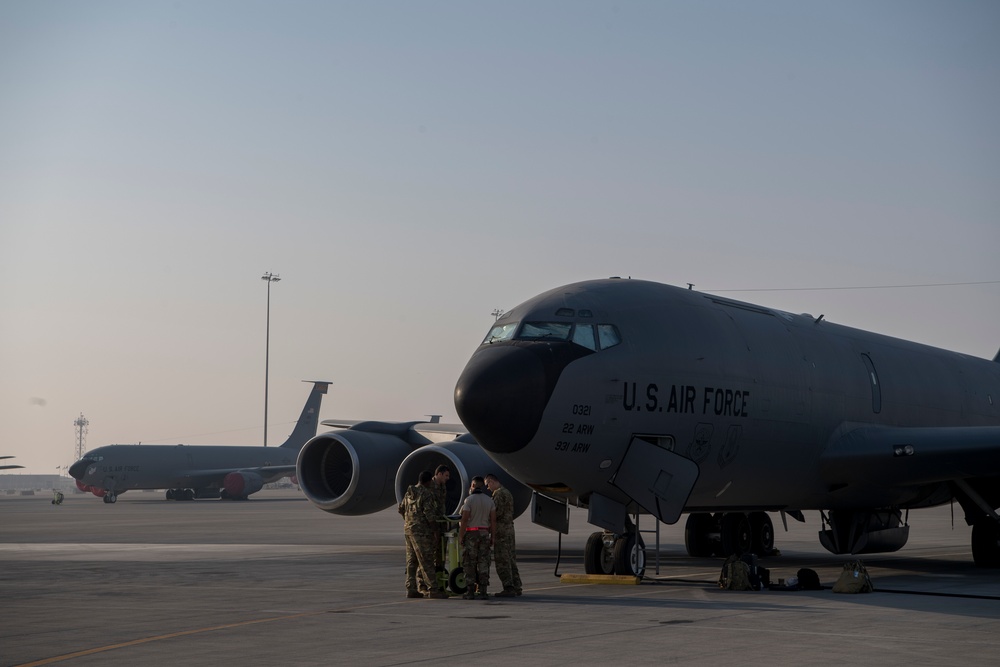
{"x": 81, "y": 423}
{"x": 497, "y": 312}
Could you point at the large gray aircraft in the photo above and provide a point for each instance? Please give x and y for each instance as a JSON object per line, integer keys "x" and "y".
{"x": 196, "y": 471}
{"x": 629, "y": 397}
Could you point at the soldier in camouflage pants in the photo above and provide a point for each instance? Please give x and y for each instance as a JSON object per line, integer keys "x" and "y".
{"x": 504, "y": 549}
{"x": 475, "y": 534}
{"x": 420, "y": 531}
{"x": 440, "y": 487}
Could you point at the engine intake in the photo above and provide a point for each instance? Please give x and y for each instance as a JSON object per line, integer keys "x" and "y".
{"x": 466, "y": 460}
{"x": 350, "y": 472}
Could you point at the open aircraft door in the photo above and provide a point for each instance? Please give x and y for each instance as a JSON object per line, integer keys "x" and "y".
{"x": 656, "y": 477}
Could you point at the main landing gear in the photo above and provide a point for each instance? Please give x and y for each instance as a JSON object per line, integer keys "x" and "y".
{"x": 986, "y": 542}
{"x": 110, "y": 497}
{"x": 725, "y": 534}
{"x": 981, "y": 514}
{"x": 180, "y": 494}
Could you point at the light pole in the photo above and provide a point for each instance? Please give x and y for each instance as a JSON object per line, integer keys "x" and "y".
{"x": 270, "y": 278}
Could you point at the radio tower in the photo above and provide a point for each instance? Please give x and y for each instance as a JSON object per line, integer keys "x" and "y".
{"x": 81, "y": 425}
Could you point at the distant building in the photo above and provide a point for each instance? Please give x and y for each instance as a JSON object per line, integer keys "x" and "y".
{"x": 15, "y": 483}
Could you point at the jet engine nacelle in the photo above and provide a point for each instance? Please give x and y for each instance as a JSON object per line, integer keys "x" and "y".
{"x": 466, "y": 460}
{"x": 242, "y": 484}
{"x": 350, "y": 472}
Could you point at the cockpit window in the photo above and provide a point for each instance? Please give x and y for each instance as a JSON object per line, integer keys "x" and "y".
{"x": 545, "y": 330}
{"x": 583, "y": 334}
{"x": 591, "y": 336}
{"x": 501, "y": 332}
{"x": 608, "y": 335}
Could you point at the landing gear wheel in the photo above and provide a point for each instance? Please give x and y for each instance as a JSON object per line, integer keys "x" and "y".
{"x": 107, "y": 500}
{"x": 456, "y": 581}
{"x": 986, "y": 542}
{"x": 630, "y": 555}
{"x": 696, "y": 539}
{"x": 113, "y": 497}
{"x": 734, "y": 531}
{"x": 170, "y": 494}
{"x": 597, "y": 558}
{"x": 761, "y": 534}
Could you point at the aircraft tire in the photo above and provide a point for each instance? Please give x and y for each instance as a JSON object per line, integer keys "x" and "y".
{"x": 596, "y": 558}
{"x": 456, "y": 581}
{"x": 630, "y": 555}
{"x": 107, "y": 500}
{"x": 696, "y": 534}
{"x": 761, "y": 534}
{"x": 734, "y": 531}
{"x": 986, "y": 542}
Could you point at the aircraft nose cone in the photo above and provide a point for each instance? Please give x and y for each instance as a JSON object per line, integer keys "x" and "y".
{"x": 504, "y": 390}
{"x": 78, "y": 469}
{"x": 500, "y": 397}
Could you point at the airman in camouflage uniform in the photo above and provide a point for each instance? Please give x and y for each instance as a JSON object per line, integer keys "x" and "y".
{"x": 475, "y": 534}
{"x": 420, "y": 530}
{"x": 440, "y": 487}
{"x": 504, "y": 549}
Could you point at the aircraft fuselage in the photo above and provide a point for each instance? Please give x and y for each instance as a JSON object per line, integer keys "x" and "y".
{"x": 752, "y": 396}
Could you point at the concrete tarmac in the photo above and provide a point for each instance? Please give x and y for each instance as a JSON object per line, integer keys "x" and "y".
{"x": 275, "y": 581}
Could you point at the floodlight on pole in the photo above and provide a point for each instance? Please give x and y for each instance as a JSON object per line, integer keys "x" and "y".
{"x": 270, "y": 278}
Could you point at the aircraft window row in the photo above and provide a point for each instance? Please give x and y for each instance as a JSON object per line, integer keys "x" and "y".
{"x": 591, "y": 336}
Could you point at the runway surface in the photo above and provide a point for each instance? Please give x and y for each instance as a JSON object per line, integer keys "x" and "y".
{"x": 275, "y": 581}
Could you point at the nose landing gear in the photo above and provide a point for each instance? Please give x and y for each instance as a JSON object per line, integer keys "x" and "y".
{"x": 609, "y": 553}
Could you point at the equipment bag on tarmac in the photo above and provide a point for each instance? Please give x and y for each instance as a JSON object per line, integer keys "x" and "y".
{"x": 808, "y": 579}
{"x": 760, "y": 576}
{"x": 854, "y": 579}
{"x": 735, "y": 575}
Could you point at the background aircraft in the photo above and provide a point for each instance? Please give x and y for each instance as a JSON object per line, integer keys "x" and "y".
{"x": 196, "y": 471}
{"x": 629, "y": 397}
{"x": 8, "y": 467}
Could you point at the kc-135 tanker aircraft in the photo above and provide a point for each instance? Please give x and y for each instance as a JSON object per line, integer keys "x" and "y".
{"x": 196, "y": 471}
{"x": 629, "y": 397}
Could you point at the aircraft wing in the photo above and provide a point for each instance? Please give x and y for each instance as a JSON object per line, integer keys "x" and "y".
{"x": 8, "y": 467}
{"x": 442, "y": 429}
{"x": 913, "y": 455}
{"x": 213, "y": 476}
{"x": 432, "y": 430}
{"x": 340, "y": 423}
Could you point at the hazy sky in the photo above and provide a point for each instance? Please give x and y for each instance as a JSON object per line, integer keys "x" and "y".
{"x": 407, "y": 167}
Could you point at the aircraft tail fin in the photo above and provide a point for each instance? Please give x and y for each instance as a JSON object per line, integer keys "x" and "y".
{"x": 305, "y": 427}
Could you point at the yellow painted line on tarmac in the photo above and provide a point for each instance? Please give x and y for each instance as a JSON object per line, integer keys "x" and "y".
{"x": 172, "y": 635}
{"x": 186, "y": 633}
{"x": 571, "y": 578}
